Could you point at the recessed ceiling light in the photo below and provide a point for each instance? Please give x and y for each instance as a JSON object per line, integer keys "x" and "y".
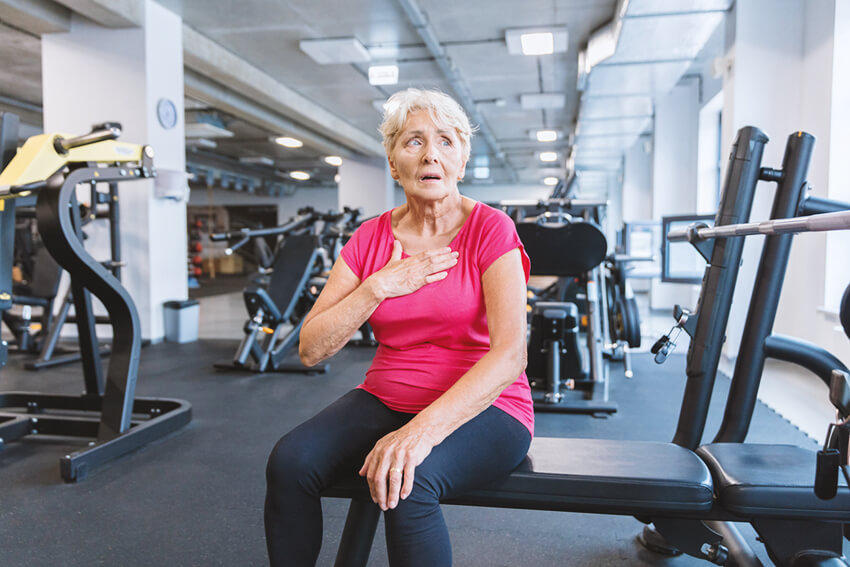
{"x": 337, "y": 178}
{"x": 548, "y": 156}
{"x": 337, "y": 50}
{"x": 288, "y": 142}
{"x": 333, "y": 160}
{"x": 536, "y": 41}
{"x": 299, "y": 175}
{"x": 546, "y": 135}
{"x": 550, "y": 181}
{"x": 383, "y": 74}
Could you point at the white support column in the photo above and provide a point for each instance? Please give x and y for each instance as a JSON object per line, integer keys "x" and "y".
{"x": 93, "y": 74}
{"x": 674, "y": 174}
{"x": 366, "y": 183}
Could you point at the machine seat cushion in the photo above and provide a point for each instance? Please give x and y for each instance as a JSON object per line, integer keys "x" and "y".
{"x": 590, "y": 475}
{"x": 763, "y": 480}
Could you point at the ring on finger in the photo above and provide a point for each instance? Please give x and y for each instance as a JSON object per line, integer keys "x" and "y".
{"x": 397, "y": 469}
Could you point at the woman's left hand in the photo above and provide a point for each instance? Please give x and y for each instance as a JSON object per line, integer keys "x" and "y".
{"x": 389, "y": 466}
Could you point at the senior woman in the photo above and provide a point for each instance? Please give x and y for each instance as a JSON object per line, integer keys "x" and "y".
{"x": 445, "y": 406}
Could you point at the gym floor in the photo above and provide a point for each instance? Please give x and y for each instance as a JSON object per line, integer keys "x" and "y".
{"x": 196, "y": 497}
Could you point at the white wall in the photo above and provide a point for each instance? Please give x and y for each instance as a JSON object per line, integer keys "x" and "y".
{"x": 782, "y": 83}
{"x": 366, "y": 183}
{"x": 674, "y": 174}
{"x": 93, "y": 74}
{"x": 491, "y": 193}
{"x": 637, "y": 181}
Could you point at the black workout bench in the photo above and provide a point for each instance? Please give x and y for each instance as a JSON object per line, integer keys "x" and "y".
{"x": 690, "y": 499}
{"x": 569, "y": 475}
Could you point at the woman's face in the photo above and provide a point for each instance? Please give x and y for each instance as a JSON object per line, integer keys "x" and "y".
{"x": 428, "y": 160}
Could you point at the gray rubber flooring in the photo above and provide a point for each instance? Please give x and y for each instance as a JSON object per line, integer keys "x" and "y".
{"x": 196, "y": 497}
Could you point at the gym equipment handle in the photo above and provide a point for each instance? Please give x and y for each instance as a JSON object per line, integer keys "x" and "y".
{"x": 816, "y": 223}
{"x": 107, "y": 131}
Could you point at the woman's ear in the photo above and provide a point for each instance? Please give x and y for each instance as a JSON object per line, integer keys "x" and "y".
{"x": 462, "y": 172}
{"x": 393, "y": 170}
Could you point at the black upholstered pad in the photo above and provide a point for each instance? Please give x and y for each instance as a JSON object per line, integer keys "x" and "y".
{"x": 593, "y": 475}
{"x": 562, "y": 249}
{"x": 758, "y": 480}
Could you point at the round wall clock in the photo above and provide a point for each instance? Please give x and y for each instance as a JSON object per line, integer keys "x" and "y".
{"x": 166, "y": 113}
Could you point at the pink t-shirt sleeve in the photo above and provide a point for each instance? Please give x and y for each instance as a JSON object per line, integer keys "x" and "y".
{"x": 498, "y": 237}
{"x": 354, "y": 251}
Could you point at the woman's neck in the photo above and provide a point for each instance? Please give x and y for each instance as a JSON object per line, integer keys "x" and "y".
{"x": 432, "y": 218}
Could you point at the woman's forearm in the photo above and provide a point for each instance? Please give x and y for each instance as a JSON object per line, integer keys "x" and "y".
{"x": 474, "y": 392}
{"x": 324, "y": 334}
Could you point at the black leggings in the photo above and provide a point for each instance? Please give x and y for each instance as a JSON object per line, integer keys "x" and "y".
{"x": 334, "y": 444}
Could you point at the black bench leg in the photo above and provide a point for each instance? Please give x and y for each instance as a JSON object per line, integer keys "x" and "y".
{"x": 360, "y": 526}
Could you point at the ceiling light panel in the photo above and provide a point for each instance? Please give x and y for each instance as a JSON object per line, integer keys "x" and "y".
{"x": 649, "y": 79}
{"x": 288, "y": 142}
{"x": 335, "y": 51}
{"x": 206, "y": 130}
{"x": 383, "y": 74}
{"x": 536, "y": 101}
{"x": 536, "y": 41}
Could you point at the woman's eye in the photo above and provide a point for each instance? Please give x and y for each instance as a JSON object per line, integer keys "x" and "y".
{"x": 447, "y": 142}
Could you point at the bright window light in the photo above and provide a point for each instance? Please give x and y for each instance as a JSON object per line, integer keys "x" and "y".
{"x": 548, "y": 156}
{"x": 333, "y": 160}
{"x": 288, "y": 142}
{"x": 537, "y": 43}
{"x": 383, "y": 74}
{"x": 299, "y": 175}
{"x": 481, "y": 172}
{"x": 547, "y": 135}
{"x": 550, "y": 181}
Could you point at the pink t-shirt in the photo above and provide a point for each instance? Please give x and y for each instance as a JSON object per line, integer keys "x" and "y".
{"x": 430, "y": 338}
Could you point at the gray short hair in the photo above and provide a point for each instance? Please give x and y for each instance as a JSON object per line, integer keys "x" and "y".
{"x": 444, "y": 110}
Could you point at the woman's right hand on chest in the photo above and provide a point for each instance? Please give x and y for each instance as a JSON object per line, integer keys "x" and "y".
{"x": 401, "y": 276}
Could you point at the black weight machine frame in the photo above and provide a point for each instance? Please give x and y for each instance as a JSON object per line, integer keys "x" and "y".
{"x": 595, "y": 390}
{"x": 107, "y": 410}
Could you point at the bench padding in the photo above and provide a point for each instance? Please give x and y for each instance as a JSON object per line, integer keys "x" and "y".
{"x": 592, "y": 475}
{"x": 762, "y": 480}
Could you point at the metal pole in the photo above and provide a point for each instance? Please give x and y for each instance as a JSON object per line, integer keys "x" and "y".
{"x": 765, "y": 297}
{"x": 718, "y": 285}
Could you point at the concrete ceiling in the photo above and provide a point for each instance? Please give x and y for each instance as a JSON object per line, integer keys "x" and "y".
{"x": 269, "y": 84}
{"x": 245, "y": 71}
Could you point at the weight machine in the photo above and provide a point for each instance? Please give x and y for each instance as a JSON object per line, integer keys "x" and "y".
{"x": 51, "y": 166}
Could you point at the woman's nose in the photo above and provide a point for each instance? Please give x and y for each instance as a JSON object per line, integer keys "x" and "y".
{"x": 430, "y": 153}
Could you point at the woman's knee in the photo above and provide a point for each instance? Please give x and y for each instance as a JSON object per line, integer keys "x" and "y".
{"x": 289, "y": 464}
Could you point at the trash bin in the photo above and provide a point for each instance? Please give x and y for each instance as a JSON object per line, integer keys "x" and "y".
{"x": 181, "y": 321}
